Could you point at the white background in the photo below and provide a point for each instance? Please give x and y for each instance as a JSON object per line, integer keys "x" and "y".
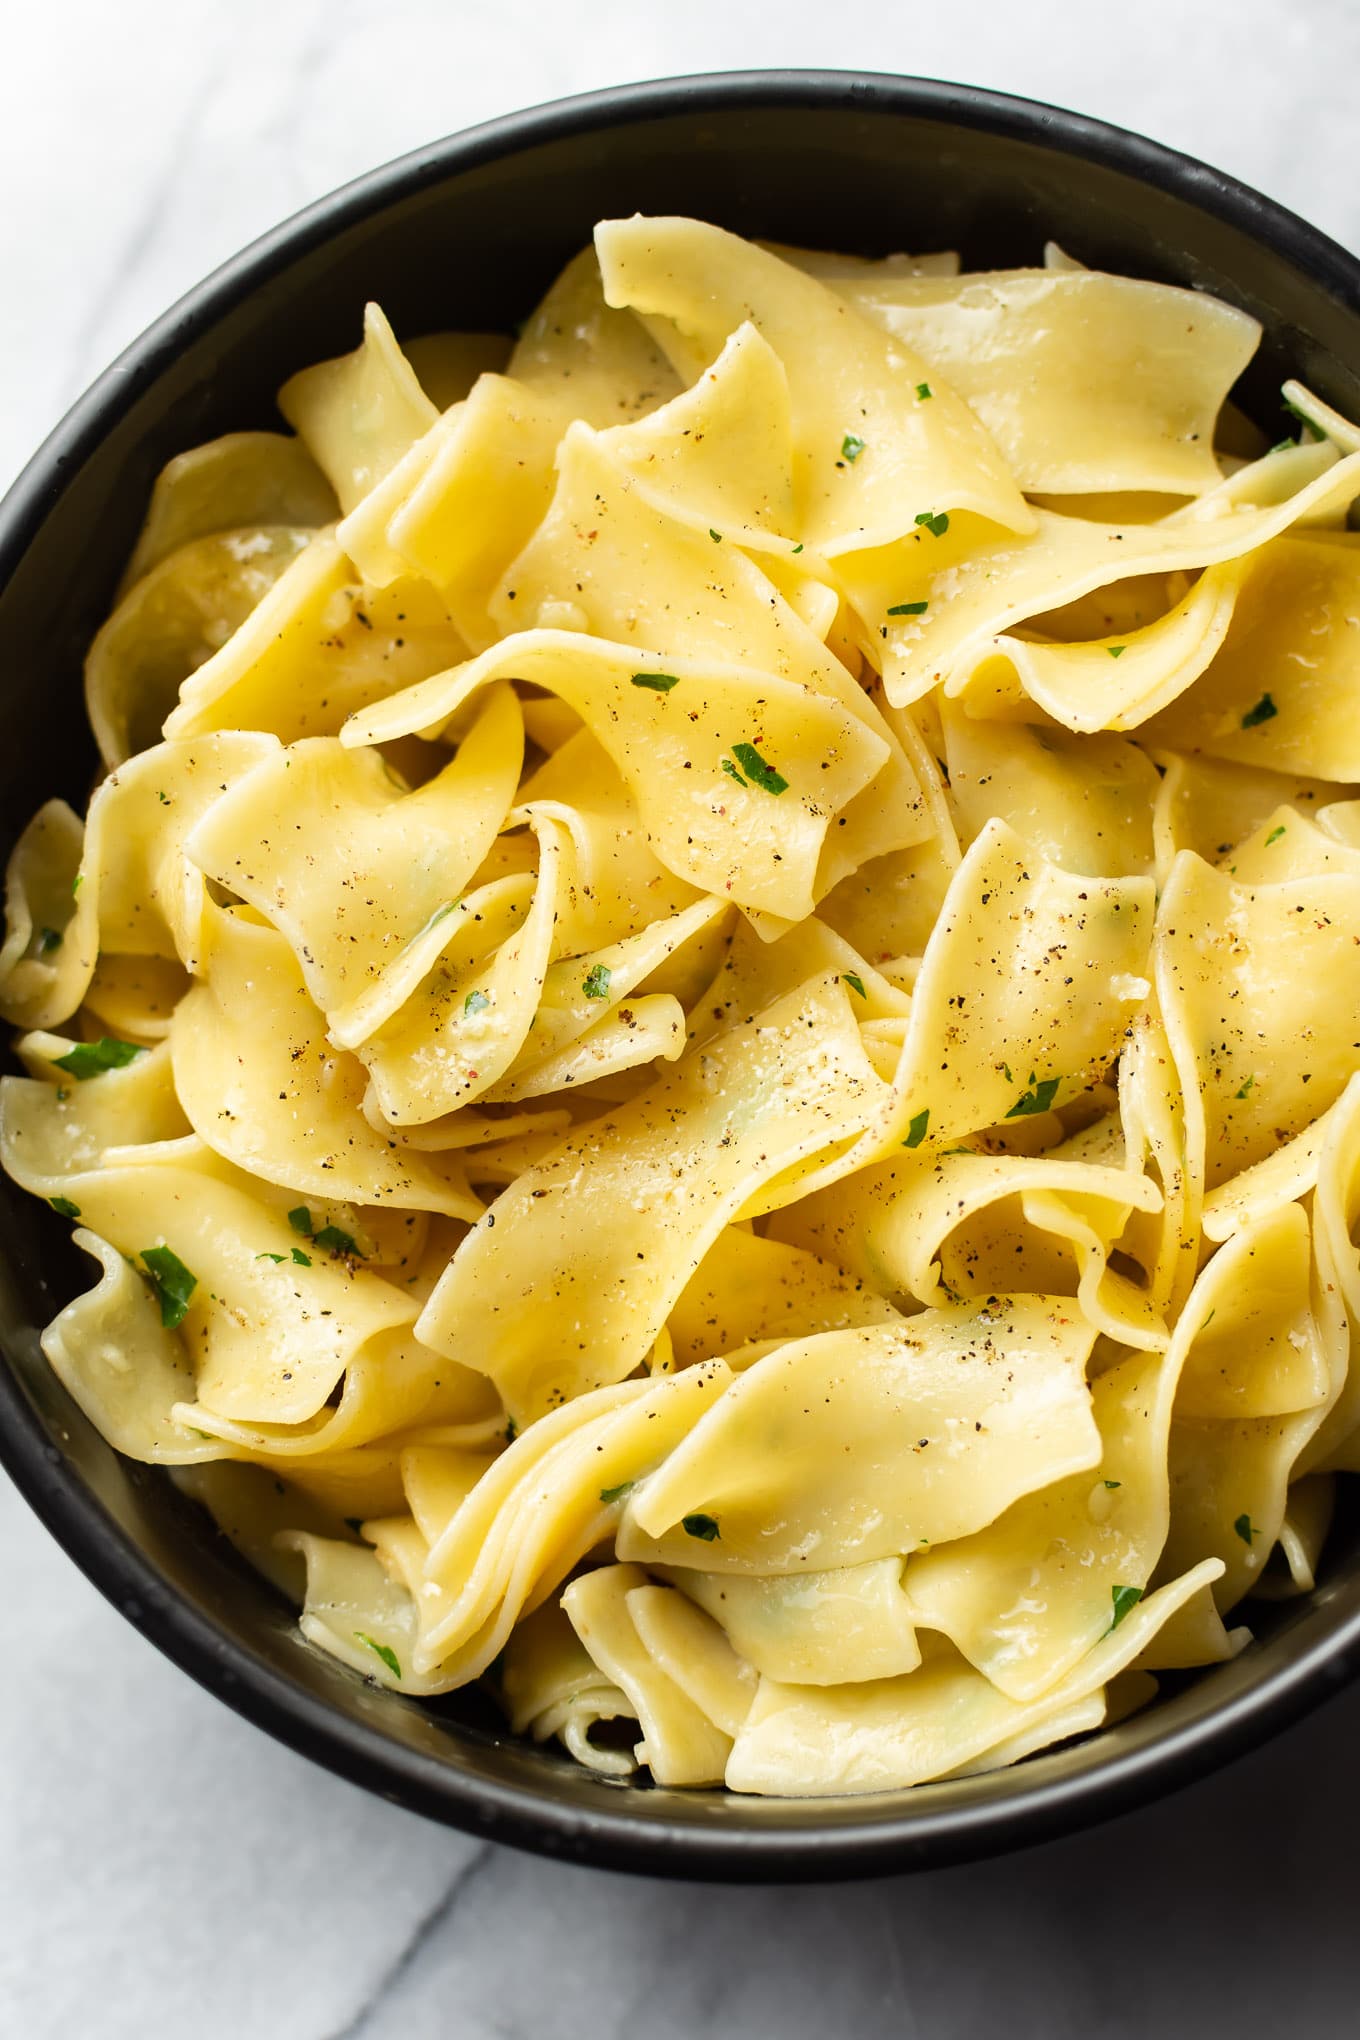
{"x": 164, "y": 1869}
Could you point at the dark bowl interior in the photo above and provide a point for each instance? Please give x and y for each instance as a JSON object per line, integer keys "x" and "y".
{"x": 468, "y": 233}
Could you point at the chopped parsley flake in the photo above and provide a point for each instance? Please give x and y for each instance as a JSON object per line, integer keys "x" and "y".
{"x": 610, "y": 1495}
{"x": 1123, "y": 1598}
{"x": 77, "y": 882}
{"x": 909, "y": 609}
{"x": 302, "y": 1260}
{"x": 856, "y": 983}
{"x": 799, "y": 547}
{"x": 1246, "y": 1088}
{"x": 1246, "y": 1530}
{"x": 716, "y": 536}
{"x": 301, "y": 1220}
{"x": 936, "y": 525}
{"x": 1115, "y": 650}
{"x": 1264, "y": 710}
{"x": 923, "y": 390}
{"x": 383, "y": 1651}
{"x": 705, "y": 1528}
{"x": 92, "y": 1058}
{"x": 660, "y": 683}
{"x": 335, "y": 1241}
{"x": 1039, "y": 1098}
{"x": 596, "y": 982}
{"x": 48, "y": 940}
{"x": 1114, "y": 1483}
{"x": 64, "y": 1207}
{"x": 852, "y": 446}
{"x": 916, "y": 1132}
{"x": 271, "y": 1257}
{"x": 172, "y": 1282}
{"x": 1275, "y": 834}
{"x": 757, "y": 771}
{"x": 730, "y": 769}
{"x": 475, "y": 1002}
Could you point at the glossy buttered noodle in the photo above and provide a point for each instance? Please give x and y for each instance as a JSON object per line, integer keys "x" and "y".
{"x": 704, "y": 1028}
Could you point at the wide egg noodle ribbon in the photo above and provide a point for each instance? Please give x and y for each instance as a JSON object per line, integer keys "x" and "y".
{"x": 855, "y": 1445}
{"x": 889, "y": 1733}
{"x": 357, "y": 415}
{"x": 316, "y": 648}
{"x": 549, "y": 1685}
{"x": 1028, "y": 982}
{"x": 681, "y": 1744}
{"x": 748, "y": 1288}
{"x": 669, "y": 731}
{"x": 263, "y": 1086}
{"x": 243, "y": 480}
{"x": 1085, "y": 803}
{"x": 1259, "y": 1052}
{"x": 1086, "y": 381}
{"x": 871, "y": 452}
{"x": 812, "y": 1628}
{"x": 362, "y": 898}
{"x": 173, "y": 623}
{"x": 683, "y": 1157}
{"x": 932, "y": 605}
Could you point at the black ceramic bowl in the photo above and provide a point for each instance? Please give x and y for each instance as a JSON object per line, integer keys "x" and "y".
{"x": 469, "y": 232}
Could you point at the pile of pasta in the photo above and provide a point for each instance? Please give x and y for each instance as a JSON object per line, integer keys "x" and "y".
{"x": 706, "y": 1027}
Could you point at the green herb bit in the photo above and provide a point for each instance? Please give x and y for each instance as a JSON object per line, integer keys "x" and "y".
{"x": 1283, "y": 446}
{"x": 716, "y": 536}
{"x": 300, "y": 1218}
{"x": 271, "y": 1257}
{"x": 172, "y": 1282}
{"x": 705, "y": 1528}
{"x": 383, "y": 1651}
{"x": 511, "y": 1430}
{"x": 1124, "y": 1598}
{"x": 799, "y": 547}
{"x": 1275, "y": 834}
{"x": 909, "y": 609}
{"x": 48, "y": 940}
{"x": 924, "y": 391}
{"x": 757, "y": 770}
{"x": 1246, "y": 1530}
{"x": 610, "y": 1495}
{"x": 302, "y": 1260}
{"x": 730, "y": 769}
{"x": 1115, "y": 651}
{"x": 335, "y": 1241}
{"x": 64, "y": 1207}
{"x": 596, "y": 981}
{"x": 77, "y": 882}
{"x": 1039, "y": 1098}
{"x": 916, "y": 1131}
{"x": 475, "y": 1002}
{"x": 92, "y": 1058}
{"x": 855, "y": 982}
{"x": 852, "y": 446}
{"x": 660, "y": 683}
{"x": 1264, "y": 711}
{"x": 1247, "y": 1088}
{"x": 936, "y": 525}
{"x": 1114, "y": 1483}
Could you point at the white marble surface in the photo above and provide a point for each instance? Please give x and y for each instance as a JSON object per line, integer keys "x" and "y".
{"x": 163, "y": 1867}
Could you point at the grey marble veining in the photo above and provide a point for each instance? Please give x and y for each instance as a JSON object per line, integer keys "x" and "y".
{"x": 164, "y": 1868}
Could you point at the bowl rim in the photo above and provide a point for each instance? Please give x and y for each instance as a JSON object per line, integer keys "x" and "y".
{"x": 300, "y": 1717}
